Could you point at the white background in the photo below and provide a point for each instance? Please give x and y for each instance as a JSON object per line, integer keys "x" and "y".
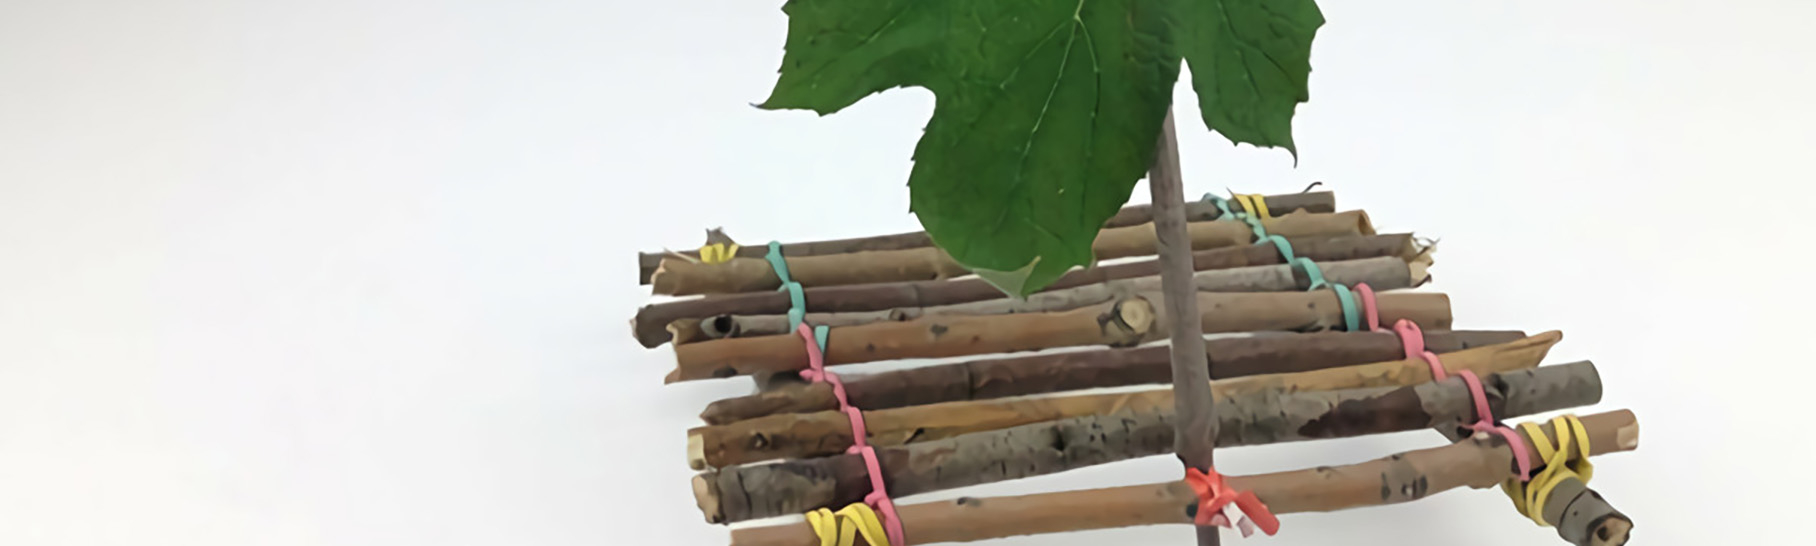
{"x": 357, "y": 273}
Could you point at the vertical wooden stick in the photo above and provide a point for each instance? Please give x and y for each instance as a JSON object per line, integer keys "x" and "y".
{"x": 1194, "y": 428}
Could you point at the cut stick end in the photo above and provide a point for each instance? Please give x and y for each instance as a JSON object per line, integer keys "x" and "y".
{"x": 696, "y": 451}
{"x": 1613, "y": 531}
{"x": 1628, "y": 436}
{"x": 706, "y": 495}
{"x": 1418, "y": 267}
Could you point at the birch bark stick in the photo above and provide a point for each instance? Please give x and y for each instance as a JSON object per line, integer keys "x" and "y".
{"x": 1482, "y": 461}
{"x": 678, "y": 276}
{"x": 651, "y": 322}
{"x": 1278, "y": 205}
{"x": 829, "y": 432}
{"x": 1068, "y": 371}
{"x": 1383, "y": 273}
{"x": 1124, "y": 323}
{"x": 744, "y": 492}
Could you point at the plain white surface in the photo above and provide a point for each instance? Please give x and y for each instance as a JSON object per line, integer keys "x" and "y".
{"x": 357, "y": 273}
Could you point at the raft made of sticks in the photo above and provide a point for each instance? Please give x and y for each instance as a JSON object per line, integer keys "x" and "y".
{"x": 1201, "y": 211}
{"x": 745, "y": 492}
{"x": 682, "y": 276}
{"x": 1265, "y": 353}
{"x": 1480, "y": 461}
{"x": 829, "y": 432}
{"x": 1124, "y": 323}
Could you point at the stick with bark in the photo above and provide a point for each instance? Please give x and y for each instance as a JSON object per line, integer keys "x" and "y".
{"x": 1059, "y": 372}
{"x": 685, "y": 276}
{"x": 651, "y": 323}
{"x": 1383, "y": 273}
{"x": 1278, "y": 205}
{"x": 1482, "y": 461}
{"x": 1123, "y": 323}
{"x": 829, "y": 432}
{"x": 752, "y": 491}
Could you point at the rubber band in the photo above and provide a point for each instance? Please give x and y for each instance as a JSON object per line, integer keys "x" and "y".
{"x": 815, "y": 339}
{"x": 1560, "y": 465}
{"x": 1214, "y": 495}
{"x": 1312, "y": 272}
{"x": 1352, "y": 319}
{"x": 1413, "y": 340}
{"x": 776, "y": 262}
{"x": 843, "y": 527}
{"x": 1371, "y": 314}
{"x": 1255, "y": 203}
{"x": 1223, "y": 206}
{"x": 1255, "y": 226}
{"x": 718, "y": 253}
{"x": 1286, "y": 247}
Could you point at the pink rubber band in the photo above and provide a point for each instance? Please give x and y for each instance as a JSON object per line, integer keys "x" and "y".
{"x": 860, "y": 444}
{"x": 1370, "y": 313}
{"x": 1413, "y": 340}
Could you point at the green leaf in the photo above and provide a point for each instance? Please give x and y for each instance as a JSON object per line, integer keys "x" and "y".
{"x": 1250, "y": 60}
{"x": 1047, "y": 111}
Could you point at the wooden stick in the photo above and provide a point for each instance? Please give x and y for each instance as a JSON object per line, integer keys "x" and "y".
{"x": 1383, "y": 273}
{"x": 1058, "y": 372}
{"x": 1123, "y": 323}
{"x": 829, "y": 432}
{"x": 1132, "y": 215}
{"x": 1482, "y": 461}
{"x": 651, "y": 323}
{"x": 744, "y": 492}
{"x": 680, "y": 276}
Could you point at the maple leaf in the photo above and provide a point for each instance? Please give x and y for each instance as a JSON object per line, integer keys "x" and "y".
{"x": 1047, "y": 111}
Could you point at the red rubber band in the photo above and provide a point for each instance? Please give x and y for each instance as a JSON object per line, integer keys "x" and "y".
{"x": 860, "y": 445}
{"x": 1214, "y": 495}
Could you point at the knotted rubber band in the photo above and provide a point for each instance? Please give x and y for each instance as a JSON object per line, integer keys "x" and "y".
{"x": 1286, "y": 247}
{"x": 816, "y": 372}
{"x": 1214, "y": 495}
{"x": 1370, "y": 313}
{"x": 1312, "y": 272}
{"x": 1560, "y": 465}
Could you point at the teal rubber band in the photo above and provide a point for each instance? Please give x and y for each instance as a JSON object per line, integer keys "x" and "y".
{"x": 1352, "y": 320}
{"x": 819, "y": 336}
{"x": 797, "y": 309}
{"x": 1312, "y": 271}
{"x": 1286, "y": 248}
{"x": 1223, "y": 205}
{"x": 1254, "y": 224}
{"x": 775, "y": 261}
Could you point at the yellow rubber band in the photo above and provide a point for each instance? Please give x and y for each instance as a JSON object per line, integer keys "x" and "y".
{"x": 1255, "y": 204}
{"x": 718, "y": 253}
{"x": 843, "y": 527}
{"x": 1561, "y": 464}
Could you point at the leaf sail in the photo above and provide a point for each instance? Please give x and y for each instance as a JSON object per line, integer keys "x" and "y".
{"x": 1250, "y": 62}
{"x": 1047, "y": 111}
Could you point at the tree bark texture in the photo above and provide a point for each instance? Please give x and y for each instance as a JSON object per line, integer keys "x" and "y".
{"x": 1278, "y": 205}
{"x": 1479, "y": 462}
{"x": 793, "y": 486}
{"x": 1383, "y": 273}
{"x": 680, "y": 277}
{"x": 651, "y": 323}
{"x": 1123, "y": 323}
{"x": 829, "y": 432}
{"x": 1059, "y": 372}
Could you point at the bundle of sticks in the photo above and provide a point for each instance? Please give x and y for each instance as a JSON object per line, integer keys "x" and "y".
{"x": 1075, "y": 375}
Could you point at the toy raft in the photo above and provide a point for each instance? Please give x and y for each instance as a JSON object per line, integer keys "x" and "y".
{"x": 1312, "y": 330}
